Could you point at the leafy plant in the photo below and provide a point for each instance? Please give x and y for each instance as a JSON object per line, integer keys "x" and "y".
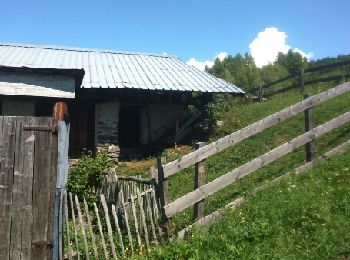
{"x": 84, "y": 178}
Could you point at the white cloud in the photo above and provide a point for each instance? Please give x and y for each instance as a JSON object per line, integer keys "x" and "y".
{"x": 266, "y": 46}
{"x": 222, "y": 55}
{"x": 201, "y": 64}
{"x": 307, "y": 55}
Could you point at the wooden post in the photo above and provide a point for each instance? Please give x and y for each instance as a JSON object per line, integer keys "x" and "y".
{"x": 162, "y": 192}
{"x": 309, "y": 147}
{"x": 59, "y": 114}
{"x": 199, "y": 180}
{"x": 261, "y": 92}
{"x": 302, "y": 81}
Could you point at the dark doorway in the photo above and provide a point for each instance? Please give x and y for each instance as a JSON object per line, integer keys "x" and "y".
{"x": 129, "y": 126}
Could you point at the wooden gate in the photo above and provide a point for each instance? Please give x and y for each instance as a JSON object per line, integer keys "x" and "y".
{"x": 28, "y": 148}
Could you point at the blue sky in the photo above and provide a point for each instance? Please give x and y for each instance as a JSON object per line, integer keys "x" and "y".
{"x": 188, "y": 29}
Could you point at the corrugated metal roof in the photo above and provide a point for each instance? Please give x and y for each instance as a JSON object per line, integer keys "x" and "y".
{"x": 113, "y": 69}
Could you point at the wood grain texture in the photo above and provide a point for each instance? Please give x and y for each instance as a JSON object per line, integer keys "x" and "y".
{"x": 257, "y": 127}
{"x": 238, "y": 173}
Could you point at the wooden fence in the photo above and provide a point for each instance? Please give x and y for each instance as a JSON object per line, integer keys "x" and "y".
{"x": 197, "y": 157}
{"x": 124, "y": 221}
{"x": 300, "y": 80}
{"x": 27, "y": 187}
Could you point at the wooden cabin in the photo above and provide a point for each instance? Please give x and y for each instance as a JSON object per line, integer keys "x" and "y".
{"x": 116, "y": 100}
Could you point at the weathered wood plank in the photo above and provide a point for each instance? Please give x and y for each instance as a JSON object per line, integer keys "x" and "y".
{"x": 109, "y": 227}
{"x": 6, "y": 181}
{"x": 43, "y": 193}
{"x": 238, "y": 173}
{"x": 82, "y": 227}
{"x": 257, "y": 127}
{"x": 136, "y": 224}
{"x": 27, "y": 188}
{"x": 66, "y": 212}
{"x": 199, "y": 180}
{"x": 17, "y": 193}
{"x": 127, "y": 222}
{"x": 74, "y": 224}
{"x": 148, "y": 201}
{"x": 101, "y": 232}
{"x": 116, "y": 222}
{"x": 93, "y": 239}
{"x": 143, "y": 217}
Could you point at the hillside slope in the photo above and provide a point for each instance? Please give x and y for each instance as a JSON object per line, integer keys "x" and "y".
{"x": 304, "y": 217}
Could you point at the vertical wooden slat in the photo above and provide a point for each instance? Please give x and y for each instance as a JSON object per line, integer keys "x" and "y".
{"x": 309, "y": 147}
{"x": 127, "y": 222}
{"x": 143, "y": 218}
{"x": 43, "y": 192}
{"x": 156, "y": 213}
{"x": 109, "y": 228}
{"x": 6, "y": 180}
{"x": 116, "y": 222}
{"x": 199, "y": 180}
{"x": 101, "y": 232}
{"x": 69, "y": 247}
{"x": 135, "y": 221}
{"x": 82, "y": 227}
{"x": 86, "y": 208}
{"x": 27, "y": 188}
{"x": 162, "y": 191}
{"x": 74, "y": 224}
{"x": 17, "y": 195}
{"x": 60, "y": 229}
{"x": 148, "y": 199}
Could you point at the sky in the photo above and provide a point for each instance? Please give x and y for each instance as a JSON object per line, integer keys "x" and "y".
{"x": 196, "y": 31}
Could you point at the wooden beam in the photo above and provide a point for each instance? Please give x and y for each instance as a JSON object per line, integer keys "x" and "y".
{"x": 244, "y": 170}
{"x": 257, "y": 127}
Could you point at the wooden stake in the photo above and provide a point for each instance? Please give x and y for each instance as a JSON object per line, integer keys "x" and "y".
{"x": 162, "y": 191}
{"x": 309, "y": 147}
{"x": 127, "y": 222}
{"x": 75, "y": 227}
{"x": 82, "y": 227}
{"x": 136, "y": 224}
{"x": 90, "y": 229}
{"x": 199, "y": 180}
{"x": 116, "y": 222}
{"x": 150, "y": 215}
{"x": 67, "y": 226}
{"x": 109, "y": 228}
{"x": 101, "y": 232}
{"x": 143, "y": 218}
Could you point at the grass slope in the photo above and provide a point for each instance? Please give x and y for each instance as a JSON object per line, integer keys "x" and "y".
{"x": 304, "y": 217}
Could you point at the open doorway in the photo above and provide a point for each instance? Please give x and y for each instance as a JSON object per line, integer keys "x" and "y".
{"x": 129, "y": 126}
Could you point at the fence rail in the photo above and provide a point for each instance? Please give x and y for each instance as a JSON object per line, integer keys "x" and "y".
{"x": 300, "y": 77}
{"x": 198, "y": 156}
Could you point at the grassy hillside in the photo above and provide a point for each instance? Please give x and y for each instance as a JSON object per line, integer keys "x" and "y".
{"x": 305, "y": 217}
{"x": 301, "y": 218}
{"x": 237, "y": 115}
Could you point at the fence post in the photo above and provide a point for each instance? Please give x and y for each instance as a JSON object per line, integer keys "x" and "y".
{"x": 302, "y": 81}
{"x": 309, "y": 147}
{"x": 199, "y": 180}
{"x": 261, "y": 92}
{"x": 162, "y": 191}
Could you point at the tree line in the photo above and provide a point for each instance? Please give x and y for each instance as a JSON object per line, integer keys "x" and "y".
{"x": 241, "y": 70}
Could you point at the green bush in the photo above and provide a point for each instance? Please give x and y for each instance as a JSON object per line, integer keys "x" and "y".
{"x": 84, "y": 178}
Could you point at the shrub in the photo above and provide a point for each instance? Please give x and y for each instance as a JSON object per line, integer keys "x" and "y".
{"x": 84, "y": 178}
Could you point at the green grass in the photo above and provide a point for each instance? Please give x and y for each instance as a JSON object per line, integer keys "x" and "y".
{"x": 235, "y": 239}
{"x": 241, "y": 115}
{"x": 304, "y": 217}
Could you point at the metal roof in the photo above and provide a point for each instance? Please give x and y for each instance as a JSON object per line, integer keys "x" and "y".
{"x": 114, "y": 69}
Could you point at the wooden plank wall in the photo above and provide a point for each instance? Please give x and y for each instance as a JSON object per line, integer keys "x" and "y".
{"x": 25, "y": 189}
